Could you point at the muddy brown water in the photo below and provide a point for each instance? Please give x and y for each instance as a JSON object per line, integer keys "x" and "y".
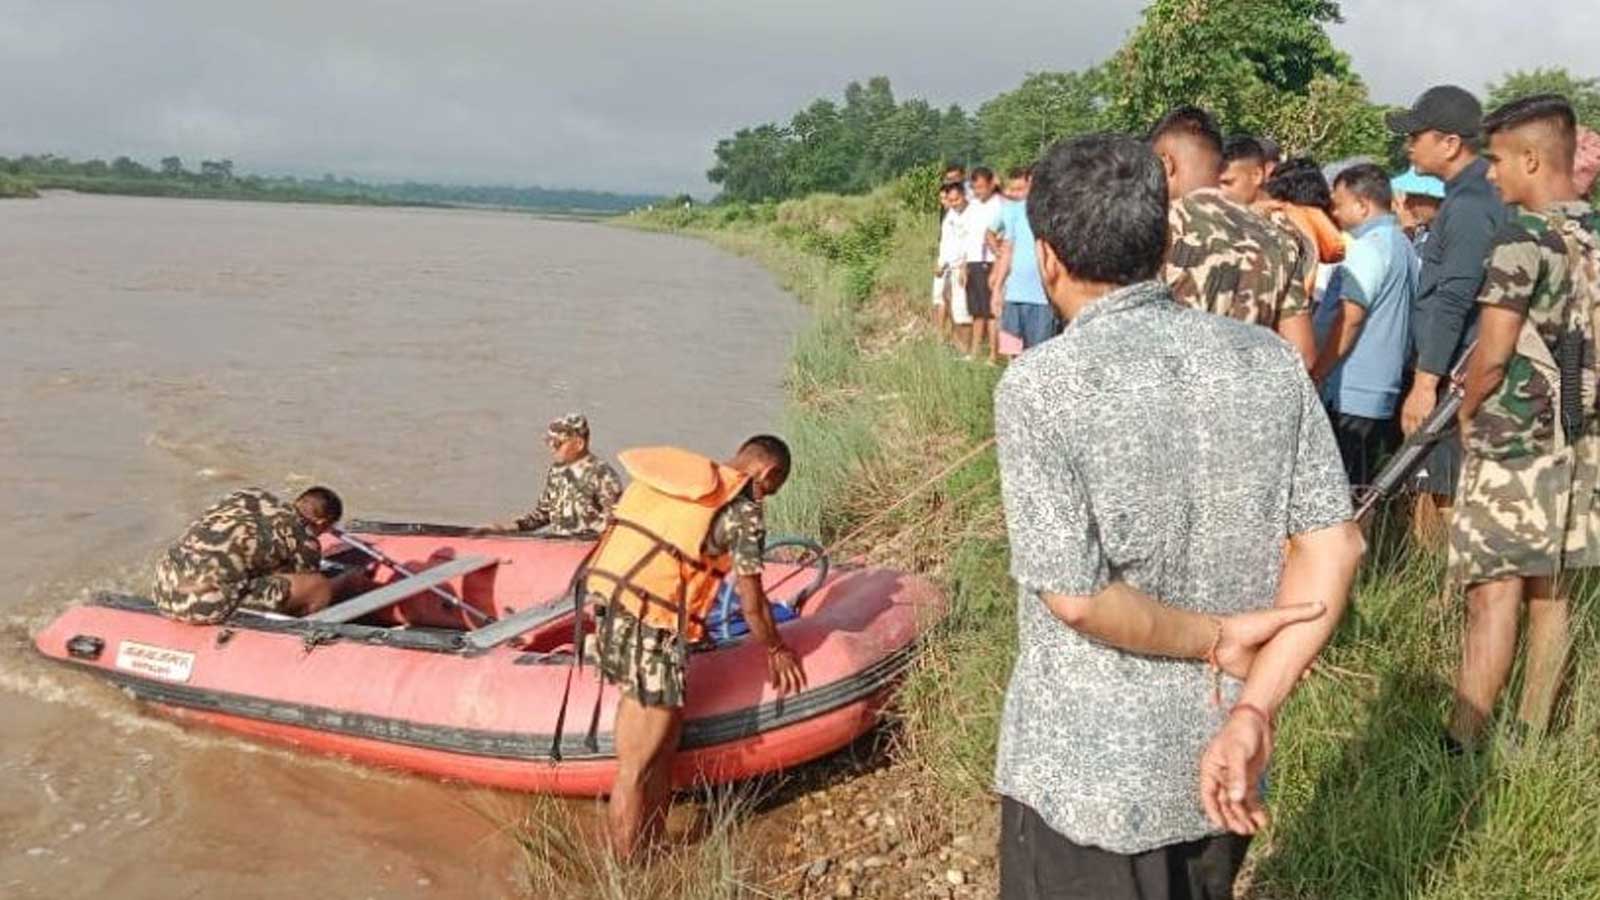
{"x": 155, "y": 354}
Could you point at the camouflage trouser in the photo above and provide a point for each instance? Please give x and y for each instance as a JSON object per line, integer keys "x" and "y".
{"x": 643, "y": 662}
{"x": 1515, "y": 517}
{"x": 210, "y": 605}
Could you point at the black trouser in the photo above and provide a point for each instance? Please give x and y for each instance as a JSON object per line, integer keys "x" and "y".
{"x": 1036, "y": 863}
{"x": 1362, "y": 443}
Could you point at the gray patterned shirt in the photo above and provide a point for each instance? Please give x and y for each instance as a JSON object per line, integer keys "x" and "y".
{"x": 1173, "y": 450}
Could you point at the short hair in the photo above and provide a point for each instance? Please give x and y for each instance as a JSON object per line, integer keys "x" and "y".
{"x": 949, "y": 186}
{"x": 953, "y": 167}
{"x": 1300, "y": 181}
{"x": 325, "y": 504}
{"x": 1367, "y": 181}
{"x": 1243, "y": 147}
{"x": 983, "y": 172}
{"x": 1100, "y": 202}
{"x": 1189, "y": 122}
{"x": 1270, "y": 150}
{"x": 1550, "y": 110}
{"x": 1020, "y": 172}
{"x": 770, "y": 447}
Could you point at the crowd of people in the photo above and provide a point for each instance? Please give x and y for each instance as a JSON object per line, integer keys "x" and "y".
{"x": 1245, "y": 339}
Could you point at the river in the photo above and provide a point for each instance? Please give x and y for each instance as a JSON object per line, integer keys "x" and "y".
{"x": 155, "y": 354}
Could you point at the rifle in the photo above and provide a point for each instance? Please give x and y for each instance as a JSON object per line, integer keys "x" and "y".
{"x": 1411, "y": 453}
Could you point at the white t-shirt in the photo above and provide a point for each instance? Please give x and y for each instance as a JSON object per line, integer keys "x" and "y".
{"x": 980, "y": 217}
{"x": 953, "y": 239}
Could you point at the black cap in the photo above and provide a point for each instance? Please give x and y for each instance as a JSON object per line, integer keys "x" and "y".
{"x": 1446, "y": 108}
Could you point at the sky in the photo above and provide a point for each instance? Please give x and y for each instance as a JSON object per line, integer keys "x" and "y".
{"x": 603, "y": 94}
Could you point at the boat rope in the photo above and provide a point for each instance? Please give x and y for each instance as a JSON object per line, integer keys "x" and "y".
{"x": 877, "y": 517}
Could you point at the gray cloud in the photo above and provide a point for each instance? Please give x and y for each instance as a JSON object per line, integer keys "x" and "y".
{"x": 606, "y": 94}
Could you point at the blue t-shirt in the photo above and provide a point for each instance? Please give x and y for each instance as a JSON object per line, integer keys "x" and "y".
{"x": 1022, "y": 282}
{"x": 1379, "y": 273}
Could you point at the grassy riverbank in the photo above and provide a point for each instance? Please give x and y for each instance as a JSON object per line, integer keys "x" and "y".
{"x": 1364, "y": 804}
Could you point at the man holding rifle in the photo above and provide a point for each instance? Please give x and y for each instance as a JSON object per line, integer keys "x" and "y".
{"x": 1525, "y": 506}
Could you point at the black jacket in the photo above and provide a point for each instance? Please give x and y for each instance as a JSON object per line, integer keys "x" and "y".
{"x": 1453, "y": 261}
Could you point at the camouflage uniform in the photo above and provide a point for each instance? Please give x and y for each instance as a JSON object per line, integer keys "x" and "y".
{"x": 1226, "y": 259}
{"x": 1525, "y": 505}
{"x": 647, "y": 663}
{"x": 577, "y": 498}
{"x": 234, "y": 555}
{"x": 1307, "y": 258}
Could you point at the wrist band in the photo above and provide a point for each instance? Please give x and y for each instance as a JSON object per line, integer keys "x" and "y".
{"x": 1216, "y": 667}
{"x": 1256, "y": 711}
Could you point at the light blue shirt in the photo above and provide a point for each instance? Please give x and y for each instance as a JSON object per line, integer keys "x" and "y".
{"x": 1022, "y": 282}
{"x": 1380, "y": 274}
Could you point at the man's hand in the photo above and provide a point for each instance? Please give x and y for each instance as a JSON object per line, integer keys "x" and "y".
{"x": 784, "y": 671}
{"x": 1244, "y": 634}
{"x": 1418, "y": 407}
{"x": 1230, "y": 773}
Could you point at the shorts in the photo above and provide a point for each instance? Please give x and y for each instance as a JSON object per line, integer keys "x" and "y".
{"x": 1035, "y": 323}
{"x": 979, "y": 297}
{"x": 1362, "y": 442}
{"x": 177, "y": 599}
{"x": 644, "y": 662}
{"x": 1441, "y": 468}
{"x": 950, "y": 292}
{"x": 1525, "y": 516}
{"x": 1037, "y": 863}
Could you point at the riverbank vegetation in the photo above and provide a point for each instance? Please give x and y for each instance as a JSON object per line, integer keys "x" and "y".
{"x": 217, "y": 180}
{"x": 1265, "y": 67}
{"x": 1365, "y": 803}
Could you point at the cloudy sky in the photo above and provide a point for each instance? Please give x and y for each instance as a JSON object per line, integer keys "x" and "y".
{"x": 614, "y": 94}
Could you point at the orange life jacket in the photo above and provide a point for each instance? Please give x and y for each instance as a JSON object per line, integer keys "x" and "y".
{"x": 651, "y": 560}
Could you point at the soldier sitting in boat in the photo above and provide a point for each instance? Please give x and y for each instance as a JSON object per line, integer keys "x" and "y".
{"x": 255, "y": 551}
{"x": 579, "y": 489}
{"x": 684, "y": 523}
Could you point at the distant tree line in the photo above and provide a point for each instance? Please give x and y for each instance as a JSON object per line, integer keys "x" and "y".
{"x": 216, "y": 178}
{"x": 1265, "y": 67}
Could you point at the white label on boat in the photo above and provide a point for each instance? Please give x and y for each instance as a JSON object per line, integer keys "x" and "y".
{"x": 155, "y": 662}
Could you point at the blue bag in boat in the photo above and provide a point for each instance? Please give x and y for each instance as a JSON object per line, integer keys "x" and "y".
{"x": 726, "y": 622}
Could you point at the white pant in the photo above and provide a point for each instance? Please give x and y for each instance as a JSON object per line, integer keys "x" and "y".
{"x": 950, "y": 291}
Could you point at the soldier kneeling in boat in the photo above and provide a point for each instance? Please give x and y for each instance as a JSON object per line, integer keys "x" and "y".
{"x": 683, "y": 524}
{"x": 255, "y": 551}
{"x": 579, "y": 489}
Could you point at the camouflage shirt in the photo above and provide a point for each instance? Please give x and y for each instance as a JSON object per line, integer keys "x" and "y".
{"x": 740, "y": 529}
{"x": 1537, "y": 272}
{"x": 1226, "y": 259}
{"x": 248, "y": 535}
{"x": 577, "y": 498}
{"x": 1307, "y": 257}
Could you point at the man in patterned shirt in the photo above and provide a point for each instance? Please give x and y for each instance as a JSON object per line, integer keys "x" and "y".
{"x": 253, "y": 550}
{"x": 1525, "y": 504}
{"x": 1143, "y": 550}
{"x": 579, "y": 489}
{"x": 1223, "y": 257}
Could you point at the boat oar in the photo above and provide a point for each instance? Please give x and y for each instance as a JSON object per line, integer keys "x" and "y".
{"x": 391, "y": 562}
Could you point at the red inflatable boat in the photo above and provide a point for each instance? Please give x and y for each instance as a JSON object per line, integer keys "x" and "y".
{"x": 458, "y": 665}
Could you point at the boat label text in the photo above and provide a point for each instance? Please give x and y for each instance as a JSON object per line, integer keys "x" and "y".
{"x": 155, "y": 662}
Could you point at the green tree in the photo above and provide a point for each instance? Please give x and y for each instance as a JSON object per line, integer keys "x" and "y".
{"x": 959, "y": 138}
{"x": 906, "y": 137}
{"x": 1018, "y": 125}
{"x": 1584, "y": 93}
{"x": 125, "y": 167}
{"x": 1262, "y": 66}
{"x": 750, "y": 165}
{"x": 172, "y": 167}
{"x": 824, "y": 153}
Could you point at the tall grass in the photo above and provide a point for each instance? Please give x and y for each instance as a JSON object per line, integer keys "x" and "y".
{"x": 1365, "y": 804}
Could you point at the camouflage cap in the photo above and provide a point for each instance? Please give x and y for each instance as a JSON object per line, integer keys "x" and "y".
{"x": 570, "y": 425}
